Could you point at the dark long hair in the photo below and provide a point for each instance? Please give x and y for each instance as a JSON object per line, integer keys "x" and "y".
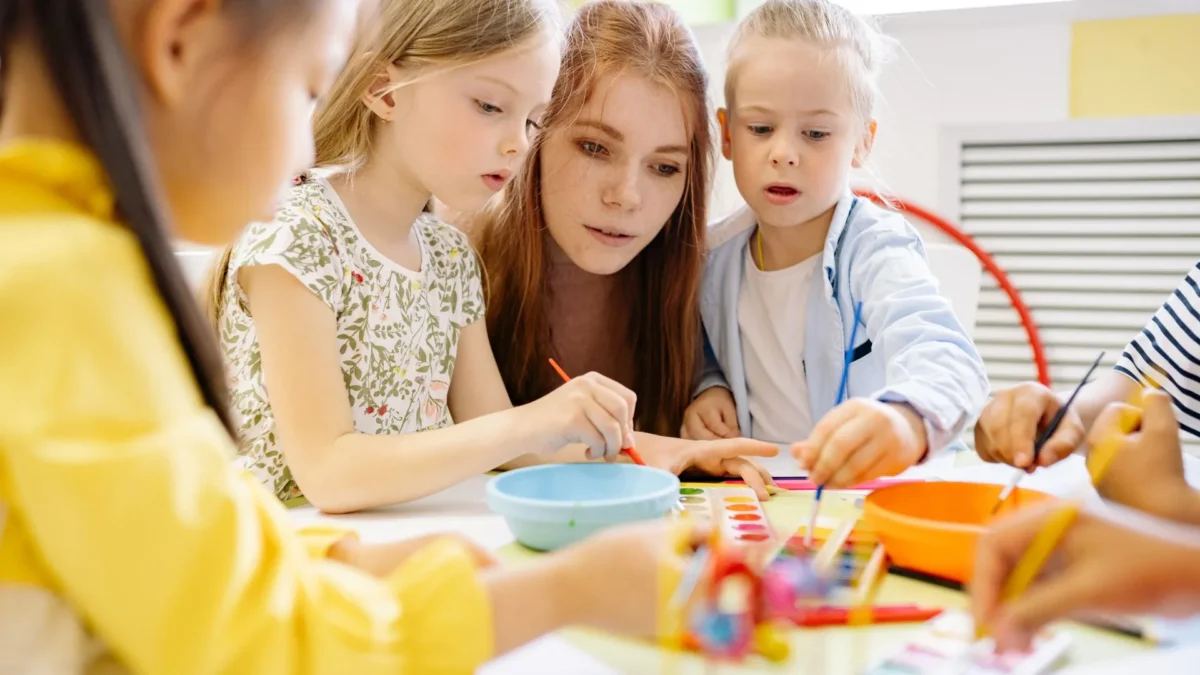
{"x": 661, "y": 285}
{"x": 92, "y": 75}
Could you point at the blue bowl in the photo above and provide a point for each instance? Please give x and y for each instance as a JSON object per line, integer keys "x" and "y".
{"x": 550, "y": 506}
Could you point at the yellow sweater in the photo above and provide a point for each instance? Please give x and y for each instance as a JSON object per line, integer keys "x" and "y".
{"x": 127, "y": 538}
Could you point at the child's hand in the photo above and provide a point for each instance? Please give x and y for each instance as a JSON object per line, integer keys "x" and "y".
{"x": 1147, "y": 471}
{"x": 1012, "y": 421}
{"x": 711, "y": 416}
{"x": 861, "y": 440}
{"x": 1099, "y": 566}
{"x": 590, "y": 409}
{"x": 617, "y": 579}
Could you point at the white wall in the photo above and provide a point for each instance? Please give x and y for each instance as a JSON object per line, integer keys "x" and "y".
{"x": 987, "y": 66}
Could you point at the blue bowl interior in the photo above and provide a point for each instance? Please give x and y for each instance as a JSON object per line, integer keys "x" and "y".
{"x": 584, "y": 484}
{"x": 551, "y": 506}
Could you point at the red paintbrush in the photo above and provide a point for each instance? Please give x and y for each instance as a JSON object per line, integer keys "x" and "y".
{"x": 633, "y": 454}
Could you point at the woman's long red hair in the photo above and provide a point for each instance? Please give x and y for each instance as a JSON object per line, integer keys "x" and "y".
{"x": 661, "y": 285}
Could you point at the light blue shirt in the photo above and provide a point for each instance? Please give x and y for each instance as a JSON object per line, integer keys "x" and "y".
{"x": 911, "y": 347}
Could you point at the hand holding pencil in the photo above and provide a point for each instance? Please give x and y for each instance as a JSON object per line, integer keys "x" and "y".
{"x": 1013, "y": 421}
{"x": 1146, "y": 471}
{"x": 1099, "y": 565}
{"x": 590, "y": 409}
{"x": 601, "y": 388}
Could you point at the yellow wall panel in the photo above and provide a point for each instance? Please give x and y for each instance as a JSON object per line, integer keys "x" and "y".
{"x": 1139, "y": 66}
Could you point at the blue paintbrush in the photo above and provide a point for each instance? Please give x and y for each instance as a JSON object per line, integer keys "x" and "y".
{"x": 843, "y": 389}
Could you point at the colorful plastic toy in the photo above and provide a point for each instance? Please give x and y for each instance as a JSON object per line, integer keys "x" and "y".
{"x": 743, "y": 608}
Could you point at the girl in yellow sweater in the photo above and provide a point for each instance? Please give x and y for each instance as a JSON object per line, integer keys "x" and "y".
{"x": 127, "y": 540}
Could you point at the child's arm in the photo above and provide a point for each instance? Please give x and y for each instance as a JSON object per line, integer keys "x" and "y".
{"x": 1010, "y": 423}
{"x": 340, "y": 470}
{"x": 120, "y": 494}
{"x": 1014, "y": 418}
{"x": 710, "y": 373}
{"x": 935, "y": 377}
{"x": 477, "y": 390}
{"x": 932, "y": 365}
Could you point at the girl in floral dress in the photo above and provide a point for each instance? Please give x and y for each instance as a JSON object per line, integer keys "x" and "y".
{"x": 355, "y": 318}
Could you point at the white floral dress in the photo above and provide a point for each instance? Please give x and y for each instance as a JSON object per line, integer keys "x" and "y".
{"x": 397, "y": 330}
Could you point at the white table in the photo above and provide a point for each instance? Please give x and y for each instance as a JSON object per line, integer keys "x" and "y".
{"x": 459, "y": 509}
{"x": 463, "y": 509}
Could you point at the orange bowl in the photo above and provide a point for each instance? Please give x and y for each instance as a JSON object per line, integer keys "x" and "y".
{"x": 933, "y": 527}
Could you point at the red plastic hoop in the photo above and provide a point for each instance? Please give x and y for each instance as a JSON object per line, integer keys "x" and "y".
{"x": 989, "y": 263}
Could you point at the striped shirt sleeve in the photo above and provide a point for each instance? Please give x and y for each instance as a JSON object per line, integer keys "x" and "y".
{"x": 1167, "y": 352}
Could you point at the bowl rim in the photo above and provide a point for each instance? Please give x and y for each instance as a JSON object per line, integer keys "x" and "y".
{"x": 671, "y": 490}
{"x": 914, "y": 521}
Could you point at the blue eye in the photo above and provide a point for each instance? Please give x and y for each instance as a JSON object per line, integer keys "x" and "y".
{"x": 591, "y": 147}
{"x": 817, "y": 135}
{"x": 666, "y": 170}
{"x": 487, "y": 108}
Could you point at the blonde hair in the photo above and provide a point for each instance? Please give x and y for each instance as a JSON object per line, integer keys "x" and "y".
{"x": 419, "y": 37}
{"x": 859, "y": 46}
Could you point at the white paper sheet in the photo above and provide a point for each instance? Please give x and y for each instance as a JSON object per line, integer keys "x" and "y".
{"x": 549, "y": 655}
{"x": 1161, "y": 662}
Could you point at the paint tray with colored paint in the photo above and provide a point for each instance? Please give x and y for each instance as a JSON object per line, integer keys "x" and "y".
{"x": 849, "y": 556}
{"x": 852, "y": 554}
{"x": 733, "y": 509}
{"x": 947, "y": 646}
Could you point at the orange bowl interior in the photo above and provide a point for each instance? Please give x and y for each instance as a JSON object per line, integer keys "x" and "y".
{"x": 933, "y": 527}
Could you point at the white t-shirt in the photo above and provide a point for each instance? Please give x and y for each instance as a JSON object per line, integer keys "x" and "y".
{"x": 772, "y": 310}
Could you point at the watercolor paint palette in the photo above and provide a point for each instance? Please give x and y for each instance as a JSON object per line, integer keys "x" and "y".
{"x": 734, "y": 509}
{"x": 947, "y": 646}
{"x": 854, "y": 552}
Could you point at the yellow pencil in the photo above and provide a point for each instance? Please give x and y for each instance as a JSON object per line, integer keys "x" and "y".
{"x": 1040, "y": 549}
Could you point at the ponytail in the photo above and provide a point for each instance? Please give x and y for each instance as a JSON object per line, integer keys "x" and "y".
{"x": 91, "y": 73}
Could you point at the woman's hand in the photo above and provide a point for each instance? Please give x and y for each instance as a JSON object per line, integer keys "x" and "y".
{"x": 1146, "y": 473}
{"x": 861, "y": 440}
{"x": 1098, "y": 566}
{"x": 590, "y": 409}
{"x": 728, "y": 457}
{"x": 711, "y": 416}
{"x": 1011, "y": 423}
